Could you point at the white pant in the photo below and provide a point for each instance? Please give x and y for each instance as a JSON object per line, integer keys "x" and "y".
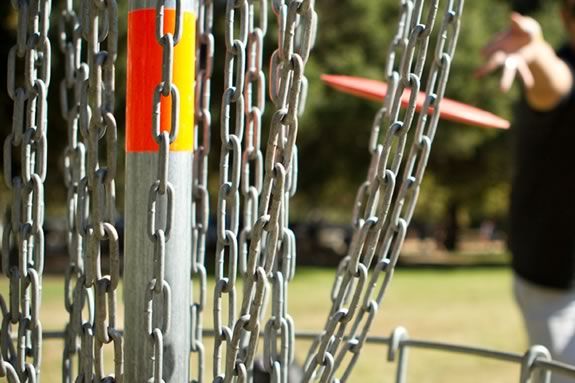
{"x": 549, "y": 316}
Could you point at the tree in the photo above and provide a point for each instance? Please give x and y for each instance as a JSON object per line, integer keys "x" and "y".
{"x": 469, "y": 166}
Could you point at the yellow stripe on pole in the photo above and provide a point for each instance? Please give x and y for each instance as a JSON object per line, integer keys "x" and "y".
{"x": 145, "y": 73}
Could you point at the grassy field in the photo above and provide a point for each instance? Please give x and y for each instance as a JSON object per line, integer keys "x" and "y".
{"x": 468, "y": 306}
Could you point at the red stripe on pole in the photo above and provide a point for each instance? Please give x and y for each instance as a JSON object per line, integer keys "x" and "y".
{"x": 145, "y": 73}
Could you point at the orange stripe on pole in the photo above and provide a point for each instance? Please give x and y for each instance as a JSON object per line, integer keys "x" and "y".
{"x": 145, "y": 73}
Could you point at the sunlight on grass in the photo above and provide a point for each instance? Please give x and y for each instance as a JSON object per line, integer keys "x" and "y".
{"x": 472, "y": 307}
{"x": 467, "y": 306}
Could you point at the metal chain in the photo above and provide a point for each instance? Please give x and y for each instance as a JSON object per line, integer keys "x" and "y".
{"x": 280, "y": 329}
{"x": 23, "y": 229}
{"x": 200, "y": 196}
{"x": 266, "y": 256}
{"x": 92, "y": 190}
{"x": 75, "y": 74}
{"x": 379, "y": 236}
{"x": 255, "y": 96}
{"x": 161, "y": 190}
{"x": 252, "y": 157}
{"x": 266, "y": 248}
{"x": 298, "y": 24}
{"x": 231, "y": 134}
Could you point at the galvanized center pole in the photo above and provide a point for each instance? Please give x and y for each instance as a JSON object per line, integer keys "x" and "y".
{"x": 159, "y": 145}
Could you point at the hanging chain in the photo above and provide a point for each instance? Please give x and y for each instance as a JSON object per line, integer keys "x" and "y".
{"x": 288, "y": 87}
{"x": 200, "y": 196}
{"x": 232, "y": 131}
{"x": 252, "y": 157}
{"x": 254, "y": 94}
{"x": 264, "y": 258}
{"x": 24, "y": 219}
{"x": 266, "y": 247}
{"x": 94, "y": 195}
{"x": 159, "y": 291}
{"x": 300, "y": 29}
{"x": 379, "y": 236}
{"x": 75, "y": 74}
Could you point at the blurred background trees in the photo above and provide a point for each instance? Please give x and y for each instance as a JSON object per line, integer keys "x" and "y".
{"x": 469, "y": 171}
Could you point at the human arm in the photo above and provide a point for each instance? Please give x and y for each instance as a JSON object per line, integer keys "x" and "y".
{"x": 522, "y": 50}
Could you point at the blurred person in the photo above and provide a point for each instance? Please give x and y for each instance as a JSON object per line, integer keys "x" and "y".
{"x": 542, "y": 213}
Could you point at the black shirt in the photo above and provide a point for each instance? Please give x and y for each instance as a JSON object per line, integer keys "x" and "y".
{"x": 542, "y": 236}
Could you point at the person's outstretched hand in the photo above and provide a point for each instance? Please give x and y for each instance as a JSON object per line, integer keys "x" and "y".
{"x": 513, "y": 50}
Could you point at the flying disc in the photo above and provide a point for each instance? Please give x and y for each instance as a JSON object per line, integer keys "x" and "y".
{"x": 450, "y": 110}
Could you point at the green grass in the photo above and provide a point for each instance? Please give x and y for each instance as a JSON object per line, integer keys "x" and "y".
{"x": 468, "y": 306}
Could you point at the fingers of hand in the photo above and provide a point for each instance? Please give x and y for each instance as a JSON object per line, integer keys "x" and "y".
{"x": 522, "y": 31}
{"x": 517, "y": 21}
{"x": 525, "y": 24}
{"x": 525, "y": 73}
{"x": 494, "y": 61}
{"x": 510, "y": 66}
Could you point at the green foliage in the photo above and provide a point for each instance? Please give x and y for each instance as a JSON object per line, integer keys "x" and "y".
{"x": 468, "y": 164}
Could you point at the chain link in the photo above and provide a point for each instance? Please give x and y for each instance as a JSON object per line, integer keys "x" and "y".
{"x": 299, "y": 23}
{"x": 386, "y": 200}
{"x": 159, "y": 291}
{"x": 254, "y": 94}
{"x": 267, "y": 246}
{"x": 252, "y": 157}
{"x": 200, "y": 197}
{"x": 75, "y": 74}
{"x": 90, "y": 295}
{"x": 29, "y": 62}
{"x": 264, "y": 248}
{"x": 232, "y": 131}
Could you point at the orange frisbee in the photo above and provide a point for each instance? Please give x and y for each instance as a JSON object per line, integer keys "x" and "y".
{"x": 450, "y": 110}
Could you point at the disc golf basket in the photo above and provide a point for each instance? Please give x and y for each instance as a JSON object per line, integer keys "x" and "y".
{"x": 167, "y": 199}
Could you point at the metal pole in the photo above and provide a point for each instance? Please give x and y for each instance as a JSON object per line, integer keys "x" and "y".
{"x": 401, "y": 372}
{"x": 147, "y": 70}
